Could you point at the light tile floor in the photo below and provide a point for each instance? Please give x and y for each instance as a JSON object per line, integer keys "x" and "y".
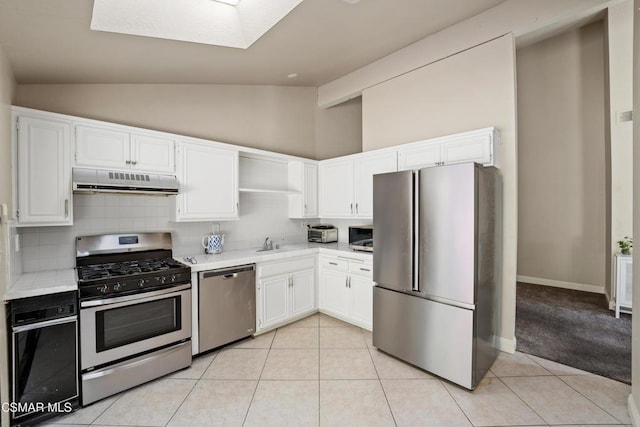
{"x": 321, "y": 371}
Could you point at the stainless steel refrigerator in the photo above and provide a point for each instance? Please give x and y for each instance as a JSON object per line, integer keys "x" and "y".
{"x": 437, "y": 248}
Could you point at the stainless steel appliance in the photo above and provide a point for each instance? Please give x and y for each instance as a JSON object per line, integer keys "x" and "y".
{"x": 43, "y": 356}
{"x": 226, "y": 306}
{"x": 129, "y": 182}
{"x": 322, "y": 233}
{"x": 361, "y": 238}
{"x": 135, "y": 311}
{"x": 435, "y": 264}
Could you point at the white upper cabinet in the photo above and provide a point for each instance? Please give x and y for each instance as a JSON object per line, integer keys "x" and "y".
{"x": 336, "y": 189}
{"x": 43, "y": 171}
{"x": 153, "y": 154}
{"x": 474, "y": 146}
{"x": 303, "y": 179}
{"x": 365, "y": 168}
{"x": 102, "y": 147}
{"x": 208, "y": 178}
{"x": 346, "y": 186}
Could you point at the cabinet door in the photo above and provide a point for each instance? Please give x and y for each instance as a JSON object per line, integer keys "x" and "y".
{"x": 152, "y": 154}
{"x": 103, "y": 148}
{"x": 334, "y": 294}
{"x": 365, "y": 168}
{"x": 477, "y": 149}
{"x": 336, "y": 189}
{"x": 208, "y": 183}
{"x": 361, "y": 300}
{"x": 274, "y": 302}
{"x": 44, "y": 172}
{"x": 419, "y": 156}
{"x": 302, "y": 292}
{"x": 310, "y": 192}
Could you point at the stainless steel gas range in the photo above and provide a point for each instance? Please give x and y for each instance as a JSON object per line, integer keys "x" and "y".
{"x": 135, "y": 311}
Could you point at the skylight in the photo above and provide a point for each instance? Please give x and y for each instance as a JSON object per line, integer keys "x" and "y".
{"x": 197, "y": 21}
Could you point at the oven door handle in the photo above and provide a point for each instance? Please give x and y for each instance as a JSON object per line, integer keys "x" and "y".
{"x": 46, "y": 323}
{"x": 143, "y": 295}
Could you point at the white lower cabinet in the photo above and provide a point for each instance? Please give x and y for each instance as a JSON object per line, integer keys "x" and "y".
{"x": 624, "y": 283}
{"x": 346, "y": 290}
{"x": 286, "y": 291}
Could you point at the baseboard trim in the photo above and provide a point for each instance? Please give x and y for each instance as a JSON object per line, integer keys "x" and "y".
{"x": 508, "y": 345}
{"x": 633, "y": 411}
{"x": 561, "y": 284}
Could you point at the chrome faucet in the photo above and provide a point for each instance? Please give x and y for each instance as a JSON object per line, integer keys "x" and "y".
{"x": 267, "y": 245}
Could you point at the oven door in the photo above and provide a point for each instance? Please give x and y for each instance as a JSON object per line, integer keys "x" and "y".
{"x": 121, "y": 327}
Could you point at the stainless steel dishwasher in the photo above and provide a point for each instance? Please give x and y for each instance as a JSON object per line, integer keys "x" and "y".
{"x": 226, "y": 305}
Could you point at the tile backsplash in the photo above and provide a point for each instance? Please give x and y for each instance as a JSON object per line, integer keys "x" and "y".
{"x": 261, "y": 216}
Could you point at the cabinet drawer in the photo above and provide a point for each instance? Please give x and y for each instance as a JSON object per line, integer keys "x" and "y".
{"x": 284, "y": 267}
{"x": 334, "y": 264}
{"x": 361, "y": 269}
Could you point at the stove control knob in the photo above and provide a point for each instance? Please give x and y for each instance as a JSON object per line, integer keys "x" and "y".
{"x": 173, "y": 277}
{"x": 141, "y": 283}
{"x": 103, "y": 289}
{"x": 163, "y": 279}
{"x": 117, "y": 287}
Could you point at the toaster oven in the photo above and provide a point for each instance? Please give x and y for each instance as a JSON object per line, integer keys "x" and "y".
{"x": 322, "y": 234}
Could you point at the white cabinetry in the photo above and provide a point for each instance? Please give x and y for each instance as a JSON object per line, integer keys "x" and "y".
{"x": 475, "y": 146}
{"x": 103, "y": 147}
{"x": 346, "y": 186}
{"x": 286, "y": 291}
{"x": 346, "y": 290}
{"x": 208, "y": 178}
{"x": 43, "y": 171}
{"x": 624, "y": 283}
{"x": 303, "y": 180}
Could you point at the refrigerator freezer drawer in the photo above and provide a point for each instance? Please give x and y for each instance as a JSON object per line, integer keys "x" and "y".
{"x": 436, "y": 337}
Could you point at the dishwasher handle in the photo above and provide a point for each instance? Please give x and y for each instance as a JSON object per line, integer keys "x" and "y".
{"x": 229, "y": 272}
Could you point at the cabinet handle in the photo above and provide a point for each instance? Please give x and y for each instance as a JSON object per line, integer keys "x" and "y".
{"x": 356, "y": 207}
{"x": 333, "y": 263}
{"x": 349, "y": 281}
{"x": 351, "y": 208}
{"x": 346, "y": 282}
{"x": 66, "y": 208}
{"x": 364, "y": 269}
{"x": 134, "y": 162}
{"x": 128, "y": 162}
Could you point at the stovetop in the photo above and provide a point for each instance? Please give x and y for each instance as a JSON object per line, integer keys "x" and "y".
{"x": 107, "y": 278}
{"x": 109, "y": 270}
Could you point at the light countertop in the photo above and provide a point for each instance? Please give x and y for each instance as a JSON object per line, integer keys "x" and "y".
{"x": 250, "y": 256}
{"x": 43, "y": 283}
{"x": 54, "y": 281}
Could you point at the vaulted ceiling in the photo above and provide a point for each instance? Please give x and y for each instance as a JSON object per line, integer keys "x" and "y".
{"x": 320, "y": 40}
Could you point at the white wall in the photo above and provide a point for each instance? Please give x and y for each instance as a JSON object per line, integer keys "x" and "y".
{"x": 521, "y": 18}
{"x": 470, "y": 90}
{"x": 561, "y": 159}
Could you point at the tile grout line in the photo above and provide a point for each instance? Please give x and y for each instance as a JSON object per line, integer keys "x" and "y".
{"x": 454, "y": 400}
{"x": 587, "y": 397}
{"x": 183, "y": 400}
{"x": 246, "y": 414}
{"x": 105, "y": 409}
{"x": 521, "y": 399}
{"x": 384, "y": 393}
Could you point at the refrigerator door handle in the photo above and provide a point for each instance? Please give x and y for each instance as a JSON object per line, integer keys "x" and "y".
{"x": 452, "y": 303}
{"x": 415, "y": 286}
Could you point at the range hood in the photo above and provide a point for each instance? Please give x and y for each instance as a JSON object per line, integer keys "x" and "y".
{"x": 126, "y": 182}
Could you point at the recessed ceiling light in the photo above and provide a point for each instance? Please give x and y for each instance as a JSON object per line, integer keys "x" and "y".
{"x": 292, "y": 76}
{"x": 231, "y": 2}
{"x": 351, "y": 1}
